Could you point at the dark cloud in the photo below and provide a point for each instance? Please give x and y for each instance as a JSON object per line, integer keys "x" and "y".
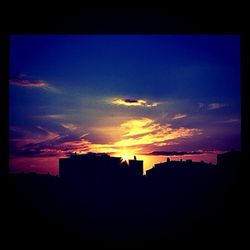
{"x": 32, "y": 152}
{"x": 51, "y": 148}
{"x": 130, "y": 100}
{"x": 175, "y": 153}
{"x": 134, "y": 102}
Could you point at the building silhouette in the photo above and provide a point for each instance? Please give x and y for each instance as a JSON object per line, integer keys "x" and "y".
{"x": 181, "y": 167}
{"x": 99, "y": 197}
{"x": 229, "y": 159}
{"x": 135, "y": 167}
{"x": 229, "y": 164}
{"x": 98, "y": 172}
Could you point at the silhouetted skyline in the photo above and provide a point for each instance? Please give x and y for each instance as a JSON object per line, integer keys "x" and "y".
{"x": 99, "y": 197}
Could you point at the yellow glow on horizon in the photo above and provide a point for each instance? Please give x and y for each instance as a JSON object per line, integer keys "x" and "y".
{"x": 134, "y": 137}
{"x": 138, "y": 126}
{"x": 126, "y": 154}
{"x": 125, "y": 157}
{"x": 141, "y": 132}
{"x": 150, "y": 160}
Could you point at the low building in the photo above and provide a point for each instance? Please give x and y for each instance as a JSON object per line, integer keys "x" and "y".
{"x": 181, "y": 167}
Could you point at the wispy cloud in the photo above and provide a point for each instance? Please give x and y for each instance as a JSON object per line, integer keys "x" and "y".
{"x": 55, "y": 116}
{"x": 84, "y": 135}
{"x": 35, "y": 144}
{"x": 134, "y": 102}
{"x": 175, "y": 153}
{"x": 179, "y": 116}
{"x": 27, "y": 137}
{"x": 69, "y": 126}
{"x": 43, "y": 142}
{"x": 25, "y": 81}
{"x": 145, "y": 131}
{"x": 139, "y": 135}
{"x": 232, "y": 121}
{"x": 79, "y": 146}
{"x": 135, "y": 134}
{"x": 22, "y": 82}
{"x": 215, "y": 151}
{"x": 213, "y": 106}
{"x": 138, "y": 126}
{"x": 162, "y": 136}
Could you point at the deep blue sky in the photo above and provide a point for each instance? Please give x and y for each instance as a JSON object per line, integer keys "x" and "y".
{"x": 182, "y": 66}
{"x": 194, "y": 81}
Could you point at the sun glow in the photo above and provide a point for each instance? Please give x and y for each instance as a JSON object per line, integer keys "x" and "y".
{"x": 126, "y": 155}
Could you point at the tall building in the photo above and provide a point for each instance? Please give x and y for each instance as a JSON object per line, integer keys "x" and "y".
{"x": 89, "y": 166}
{"x": 135, "y": 167}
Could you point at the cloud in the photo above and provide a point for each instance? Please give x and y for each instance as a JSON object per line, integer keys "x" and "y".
{"x": 215, "y": 151}
{"x": 213, "y": 106}
{"x": 84, "y": 135}
{"x": 232, "y": 121}
{"x": 55, "y": 116}
{"x": 28, "y": 138}
{"x": 34, "y": 152}
{"x": 39, "y": 143}
{"x": 24, "y": 81}
{"x": 69, "y": 126}
{"x": 51, "y": 117}
{"x": 29, "y": 83}
{"x": 138, "y": 126}
{"x": 45, "y": 143}
{"x": 141, "y": 133}
{"x": 134, "y": 102}
{"x": 175, "y": 153}
{"x": 162, "y": 135}
{"x": 179, "y": 116}
{"x": 145, "y": 131}
{"x": 49, "y": 135}
{"x": 79, "y": 146}
{"x": 135, "y": 134}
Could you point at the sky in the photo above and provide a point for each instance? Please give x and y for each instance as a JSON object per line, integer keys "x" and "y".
{"x": 153, "y": 96}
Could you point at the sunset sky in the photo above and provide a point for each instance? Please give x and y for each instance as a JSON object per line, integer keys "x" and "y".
{"x": 126, "y": 95}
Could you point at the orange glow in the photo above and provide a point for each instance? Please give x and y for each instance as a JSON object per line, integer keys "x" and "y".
{"x": 150, "y": 160}
{"x": 125, "y": 157}
{"x": 125, "y": 154}
{"x": 134, "y": 135}
{"x": 138, "y": 126}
